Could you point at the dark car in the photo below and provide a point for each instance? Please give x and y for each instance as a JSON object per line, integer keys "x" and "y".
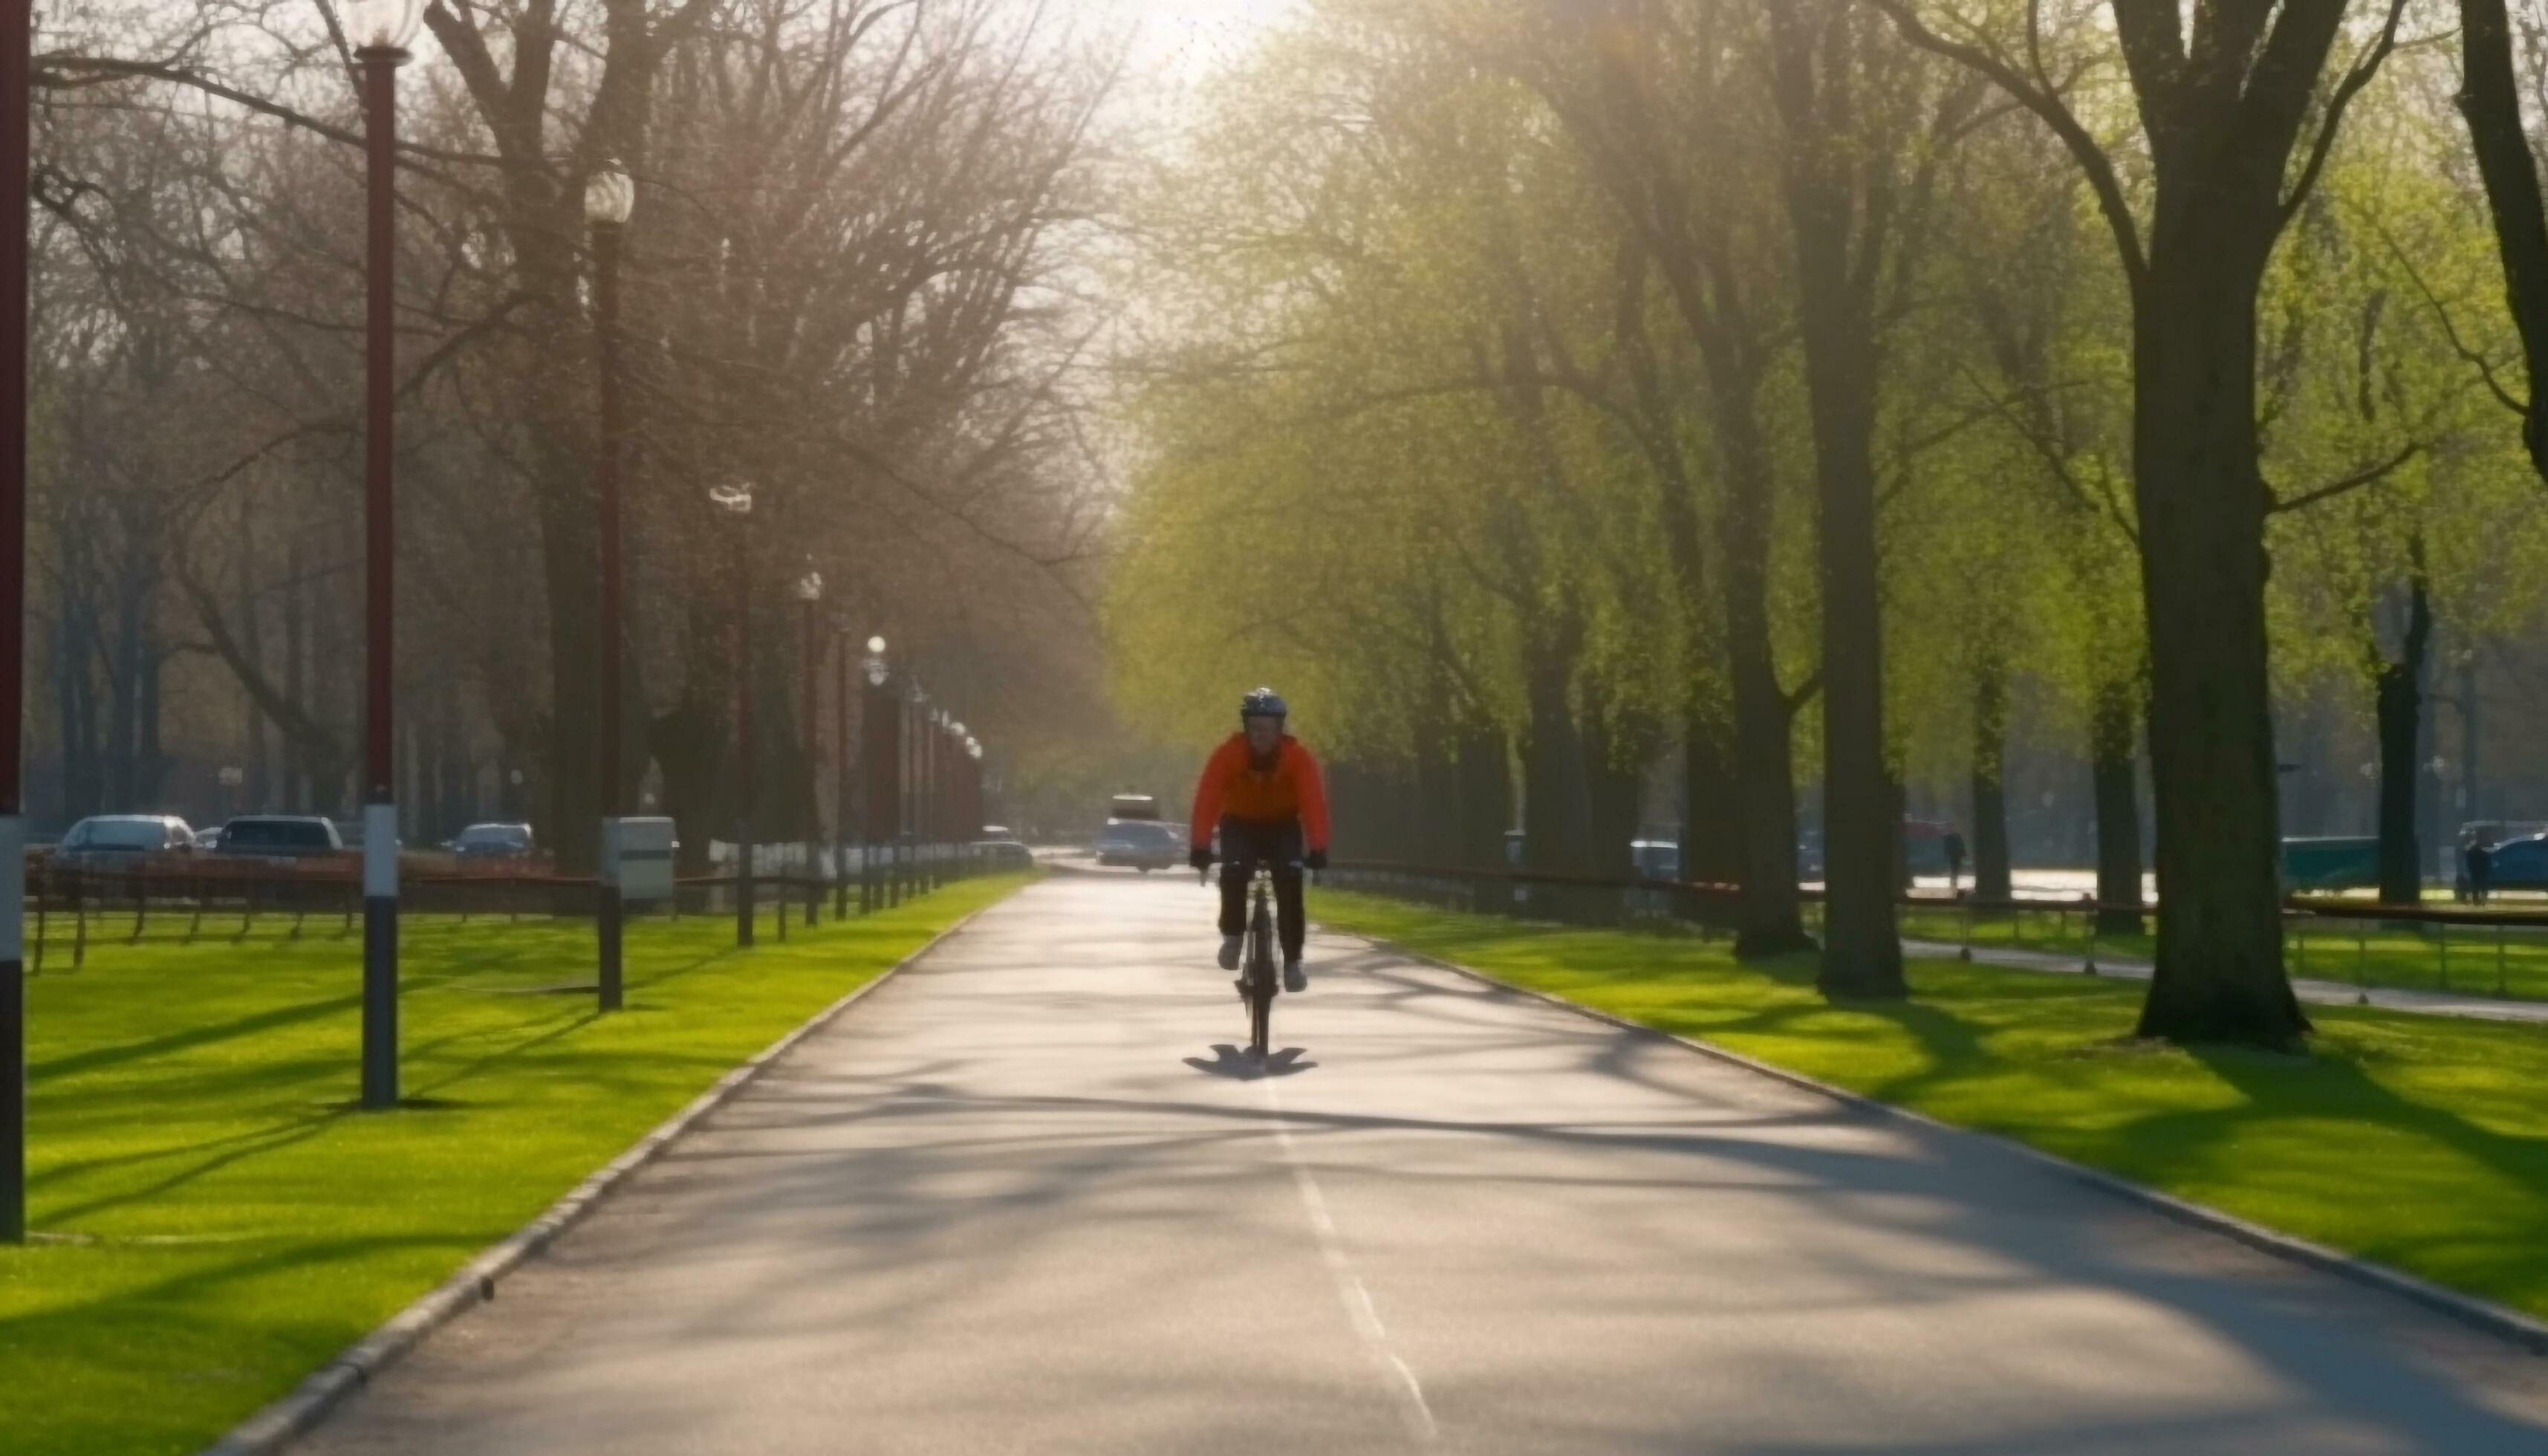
{"x": 2519, "y": 865}
{"x": 1140, "y": 844}
{"x": 281, "y": 837}
{"x": 120, "y": 841}
{"x": 494, "y": 841}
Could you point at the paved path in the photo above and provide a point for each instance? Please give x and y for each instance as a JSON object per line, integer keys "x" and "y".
{"x": 1020, "y": 1201}
{"x": 2315, "y": 992}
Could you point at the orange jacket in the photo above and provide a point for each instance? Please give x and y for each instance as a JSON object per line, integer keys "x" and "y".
{"x": 1232, "y": 784}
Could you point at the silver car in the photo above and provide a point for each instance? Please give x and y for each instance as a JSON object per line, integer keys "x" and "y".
{"x": 121, "y": 841}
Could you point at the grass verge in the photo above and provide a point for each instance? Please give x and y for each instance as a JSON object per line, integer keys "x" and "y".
{"x": 2420, "y": 1141}
{"x": 213, "y": 1219}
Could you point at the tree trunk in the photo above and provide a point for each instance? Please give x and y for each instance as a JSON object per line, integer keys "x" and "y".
{"x": 2489, "y": 99}
{"x": 571, "y": 554}
{"x": 1711, "y": 821}
{"x": 75, "y": 703}
{"x": 1770, "y": 918}
{"x": 1485, "y": 769}
{"x": 2433, "y": 796}
{"x": 1554, "y": 822}
{"x": 151, "y": 770}
{"x": 2119, "y": 815}
{"x": 2202, "y": 502}
{"x": 124, "y": 703}
{"x": 1614, "y": 803}
{"x": 1823, "y": 178}
{"x": 296, "y": 656}
{"x": 2472, "y": 800}
{"x": 1991, "y": 877}
{"x": 1437, "y": 799}
{"x": 2401, "y": 713}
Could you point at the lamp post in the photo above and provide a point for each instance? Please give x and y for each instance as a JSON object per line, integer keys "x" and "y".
{"x": 809, "y": 595}
{"x": 974, "y": 815}
{"x": 840, "y": 770}
{"x": 736, "y": 501}
{"x": 913, "y": 720}
{"x": 877, "y": 724}
{"x": 931, "y": 794}
{"x": 608, "y": 199}
{"x": 381, "y": 31}
{"x": 923, "y": 718}
{"x": 16, "y": 102}
{"x": 958, "y": 837}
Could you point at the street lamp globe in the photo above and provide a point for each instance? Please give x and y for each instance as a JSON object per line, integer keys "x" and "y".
{"x": 609, "y": 197}
{"x": 383, "y": 27}
{"x": 973, "y": 746}
{"x": 875, "y": 647}
{"x": 956, "y": 728}
{"x": 734, "y": 498}
{"x": 809, "y": 587}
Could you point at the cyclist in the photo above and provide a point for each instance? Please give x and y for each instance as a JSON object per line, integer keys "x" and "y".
{"x": 1263, "y": 791}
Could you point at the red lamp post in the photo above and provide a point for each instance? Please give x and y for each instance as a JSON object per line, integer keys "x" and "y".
{"x": 381, "y": 29}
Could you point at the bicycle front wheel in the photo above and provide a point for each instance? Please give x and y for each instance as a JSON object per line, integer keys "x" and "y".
{"x": 1261, "y": 1023}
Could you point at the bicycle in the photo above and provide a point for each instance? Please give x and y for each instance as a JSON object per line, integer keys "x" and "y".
{"x": 1257, "y": 982}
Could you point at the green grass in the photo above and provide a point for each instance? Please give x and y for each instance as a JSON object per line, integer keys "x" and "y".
{"x": 213, "y": 1222}
{"x": 2420, "y": 1141}
{"x": 2471, "y": 959}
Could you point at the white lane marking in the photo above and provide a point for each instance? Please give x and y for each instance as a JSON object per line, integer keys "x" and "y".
{"x": 1350, "y": 1290}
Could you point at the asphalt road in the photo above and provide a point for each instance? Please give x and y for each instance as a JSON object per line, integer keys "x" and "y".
{"x": 1027, "y": 1199}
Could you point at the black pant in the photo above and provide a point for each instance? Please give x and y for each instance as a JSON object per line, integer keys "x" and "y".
{"x": 1246, "y": 843}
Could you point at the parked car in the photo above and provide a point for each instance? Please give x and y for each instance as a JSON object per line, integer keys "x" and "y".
{"x": 1140, "y": 844}
{"x": 1655, "y": 858}
{"x": 2519, "y": 865}
{"x": 1003, "y": 854}
{"x": 493, "y": 841}
{"x": 2324, "y": 863}
{"x": 2489, "y": 833}
{"x": 281, "y": 837}
{"x": 120, "y": 841}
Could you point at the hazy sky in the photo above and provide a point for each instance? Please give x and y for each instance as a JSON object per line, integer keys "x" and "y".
{"x": 1182, "y": 38}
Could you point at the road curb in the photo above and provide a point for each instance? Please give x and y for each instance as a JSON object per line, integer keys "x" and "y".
{"x": 286, "y": 1420}
{"x": 2482, "y": 1315}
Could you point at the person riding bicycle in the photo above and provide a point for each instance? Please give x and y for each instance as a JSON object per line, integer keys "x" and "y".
{"x": 1263, "y": 791}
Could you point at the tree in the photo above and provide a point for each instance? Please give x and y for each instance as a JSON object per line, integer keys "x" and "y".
{"x": 2223, "y": 108}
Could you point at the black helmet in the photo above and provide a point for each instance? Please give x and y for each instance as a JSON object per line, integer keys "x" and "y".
{"x": 1264, "y": 703}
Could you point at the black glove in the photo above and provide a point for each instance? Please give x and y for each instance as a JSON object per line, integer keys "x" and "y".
{"x": 1318, "y": 862}
{"x": 1200, "y": 857}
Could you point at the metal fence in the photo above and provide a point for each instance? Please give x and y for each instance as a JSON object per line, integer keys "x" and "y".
{"x": 2488, "y": 952}
{"x": 72, "y": 911}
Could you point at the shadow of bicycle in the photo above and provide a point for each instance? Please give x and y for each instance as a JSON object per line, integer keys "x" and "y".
{"x": 1228, "y": 1062}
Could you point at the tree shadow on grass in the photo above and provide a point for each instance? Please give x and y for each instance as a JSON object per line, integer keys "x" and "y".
{"x": 194, "y": 1037}
{"x": 2333, "y": 1087}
